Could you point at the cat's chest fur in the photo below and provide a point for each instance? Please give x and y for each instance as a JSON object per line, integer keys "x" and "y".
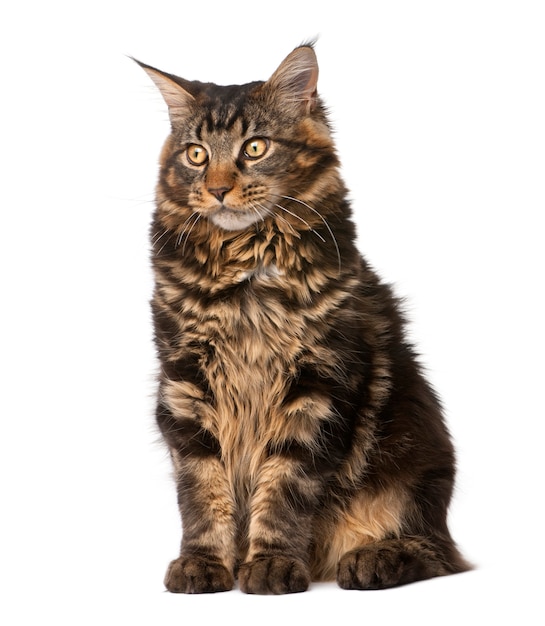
{"x": 257, "y": 341}
{"x": 253, "y": 346}
{"x": 252, "y": 314}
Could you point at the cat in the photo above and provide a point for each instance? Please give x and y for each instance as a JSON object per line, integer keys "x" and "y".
{"x": 306, "y": 443}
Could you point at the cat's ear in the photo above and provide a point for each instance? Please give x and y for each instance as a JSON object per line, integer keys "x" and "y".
{"x": 295, "y": 81}
{"x": 178, "y": 99}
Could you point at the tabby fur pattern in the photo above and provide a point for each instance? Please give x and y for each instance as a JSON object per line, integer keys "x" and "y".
{"x": 306, "y": 443}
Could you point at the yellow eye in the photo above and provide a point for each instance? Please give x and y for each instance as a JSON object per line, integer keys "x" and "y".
{"x": 196, "y": 155}
{"x": 255, "y": 148}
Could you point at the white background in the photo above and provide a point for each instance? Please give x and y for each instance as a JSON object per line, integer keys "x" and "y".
{"x": 439, "y": 112}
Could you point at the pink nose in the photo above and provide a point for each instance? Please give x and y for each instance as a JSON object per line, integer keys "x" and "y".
{"x": 219, "y": 192}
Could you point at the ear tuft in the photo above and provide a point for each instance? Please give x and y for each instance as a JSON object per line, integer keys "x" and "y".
{"x": 178, "y": 99}
{"x": 295, "y": 81}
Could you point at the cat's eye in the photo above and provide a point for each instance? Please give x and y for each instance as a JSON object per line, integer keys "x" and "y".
{"x": 196, "y": 155}
{"x": 255, "y": 148}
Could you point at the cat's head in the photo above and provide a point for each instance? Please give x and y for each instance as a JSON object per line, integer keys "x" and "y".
{"x": 238, "y": 155}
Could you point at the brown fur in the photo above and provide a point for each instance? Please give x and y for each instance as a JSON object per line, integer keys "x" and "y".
{"x": 305, "y": 441}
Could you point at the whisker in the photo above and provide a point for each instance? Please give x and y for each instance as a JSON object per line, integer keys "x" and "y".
{"x": 255, "y": 206}
{"x": 184, "y": 232}
{"x": 285, "y": 221}
{"x": 283, "y": 208}
{"x": 326, "y": 224}
{"x": 156, "y": 239}
{"x": 188, "y": 232}
{"x": 322, "y": 218}
{"x": 184, "y": 227}
{"x": 281, "y": 217}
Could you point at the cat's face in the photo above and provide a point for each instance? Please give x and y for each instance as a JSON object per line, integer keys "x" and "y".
{"x": 231, "y": 182}
{"x": 227, "y": 161}
{"x": 239, "y": 154}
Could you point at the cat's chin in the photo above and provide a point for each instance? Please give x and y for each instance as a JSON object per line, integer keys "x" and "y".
{"x": 231, "y": 219}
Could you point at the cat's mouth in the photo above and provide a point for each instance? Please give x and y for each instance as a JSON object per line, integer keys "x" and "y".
{"x": 235, "y": 219}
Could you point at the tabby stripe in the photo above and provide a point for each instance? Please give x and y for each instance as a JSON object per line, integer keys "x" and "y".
{"x": 209, "y": 120}
{"x": 198, "y": 130}
{"x": 230, "y": 121}
{"x": 186, "y": 435}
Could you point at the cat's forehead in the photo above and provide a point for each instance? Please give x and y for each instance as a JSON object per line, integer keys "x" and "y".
{"x": 227, "y": 110}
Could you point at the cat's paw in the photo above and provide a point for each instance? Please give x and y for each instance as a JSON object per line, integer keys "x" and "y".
{"x": 369, "y": 568}
{"x": 274, "y": 574}
{"x": 379, "y": 566}
{"x": 192, "y": 574}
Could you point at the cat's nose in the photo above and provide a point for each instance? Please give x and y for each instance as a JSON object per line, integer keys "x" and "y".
{"x": 219, "y": 192}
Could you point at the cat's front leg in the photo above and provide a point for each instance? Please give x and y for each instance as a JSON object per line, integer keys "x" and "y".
{"x": 206, "y": 561}
{"x": 281, "y": 516}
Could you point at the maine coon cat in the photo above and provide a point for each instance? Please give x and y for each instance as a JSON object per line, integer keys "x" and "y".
{"x": 306, "y": 443}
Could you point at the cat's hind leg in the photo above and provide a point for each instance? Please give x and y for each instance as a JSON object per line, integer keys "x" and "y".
{"x": 393, "y": 562}
{"x": 378, "y": 541}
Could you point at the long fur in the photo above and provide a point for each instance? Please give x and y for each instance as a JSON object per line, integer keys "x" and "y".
{"x": 305, "y": 440}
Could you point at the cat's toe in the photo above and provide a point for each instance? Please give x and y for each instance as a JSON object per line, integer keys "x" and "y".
{"x": 191, "y": 574}
{"x": 274, "y": 574}
{"x": 386, "y": 564}
{"x": 367, "y": 569}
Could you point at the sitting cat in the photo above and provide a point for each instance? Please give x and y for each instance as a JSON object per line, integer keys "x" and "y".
{"x": 306, "y": 443}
